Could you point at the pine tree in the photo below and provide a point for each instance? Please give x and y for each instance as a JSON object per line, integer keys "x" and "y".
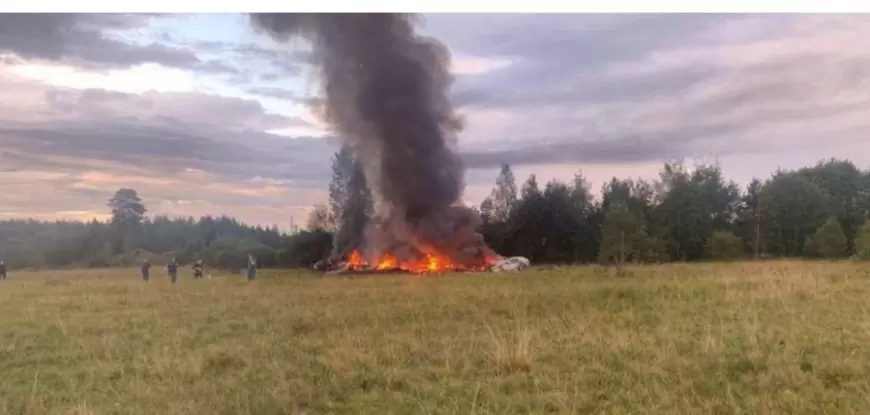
{"x": 342, "y": 170}
{"x": 350, "y": 203}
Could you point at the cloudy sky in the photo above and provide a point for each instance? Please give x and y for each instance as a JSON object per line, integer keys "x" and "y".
{"x": 202, "y": 115}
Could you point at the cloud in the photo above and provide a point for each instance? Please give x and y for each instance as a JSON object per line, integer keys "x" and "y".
{"x": 159, "y": 132}
{"x": 627, "y": 89}
{"x": 258, "y": 62}
{"x": 82, "y": 195}
{"x": 552, "y": 94}
{"x": 275, "y": 92}
{"x": 194, "y": 109}
{"x": 93, "y": 41}
{"x": 64, "y": 151}
{"x": 83, "y": 39}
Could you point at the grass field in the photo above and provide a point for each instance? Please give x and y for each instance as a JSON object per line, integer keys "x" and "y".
{"x": 773, "y": 337}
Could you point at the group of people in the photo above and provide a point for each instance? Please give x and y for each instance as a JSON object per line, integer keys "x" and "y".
{"x": 198, "y": 269}
{"x": 171, "y": 269}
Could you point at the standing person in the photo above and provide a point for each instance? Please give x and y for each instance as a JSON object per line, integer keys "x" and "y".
{"x": 197, "y": 269}
{"x": 252, "y": 267}
{"x": 172, "y": 269}
{"x": 146, "y": 270}
{"x": 2, "y": 269}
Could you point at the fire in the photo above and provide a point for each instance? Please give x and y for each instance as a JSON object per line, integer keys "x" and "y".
{"x": 429, "y": 262}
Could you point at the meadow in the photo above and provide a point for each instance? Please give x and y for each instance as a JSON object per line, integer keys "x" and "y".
{"x": 787, "y": 337}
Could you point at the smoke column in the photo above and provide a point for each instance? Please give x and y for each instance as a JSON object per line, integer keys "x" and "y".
{"x": 386, "y": 96}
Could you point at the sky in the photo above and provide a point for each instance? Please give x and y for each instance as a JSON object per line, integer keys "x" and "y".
{"x": 203, "y": 115}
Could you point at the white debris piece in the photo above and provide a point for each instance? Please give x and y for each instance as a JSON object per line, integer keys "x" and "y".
{"x": 514, "y": 263}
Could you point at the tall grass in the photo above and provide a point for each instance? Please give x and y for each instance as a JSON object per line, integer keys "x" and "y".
{"x": 766, "y": 337}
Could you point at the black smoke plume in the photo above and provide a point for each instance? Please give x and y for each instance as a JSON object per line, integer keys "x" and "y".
{"x": 386, "y": 97}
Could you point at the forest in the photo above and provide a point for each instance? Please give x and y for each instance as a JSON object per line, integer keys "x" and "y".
{"x": 686, "y": 214}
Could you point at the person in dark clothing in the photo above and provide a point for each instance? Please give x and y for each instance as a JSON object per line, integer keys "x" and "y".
{"x": 172, "y": 269}
{"x": 252, "y": 267}
{"x": 146, "y": 270}
{"x": 2, "y": 269}
{"x": 197, "y": 269}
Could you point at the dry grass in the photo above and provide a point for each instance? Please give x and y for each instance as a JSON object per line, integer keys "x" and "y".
{"x": 775, "y": 337}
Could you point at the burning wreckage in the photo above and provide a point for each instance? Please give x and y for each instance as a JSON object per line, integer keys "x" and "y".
{"x": 464, "y": 251}
{"x": 385, "y": 96}
{"x": 428, "y": 264}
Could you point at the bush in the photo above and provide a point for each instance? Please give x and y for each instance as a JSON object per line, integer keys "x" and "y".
{"x": 725, "y": 246}
{"x": 231, "y": 253}
{"x": 306, "y": 248}
{"x": 829, "y": 241}
{"x": 862, "y": 241}
{"x": 654, "y": 250}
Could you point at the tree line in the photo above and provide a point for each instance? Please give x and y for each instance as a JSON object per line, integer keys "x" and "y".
{"x": 686, "y": 214}
{"x": 130, "y": 237}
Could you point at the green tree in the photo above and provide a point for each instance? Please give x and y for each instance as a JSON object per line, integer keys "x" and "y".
{"x": 560, "y": 223}
{"x": 30, "y": 243}
{"x": 654, "y": 250}
{"x": 747, "y": 224}
{"x": 524, "y": 234}
{"x": 496, "y": 210}
{"x": 636, "y": 196}
{"x": 691, "y": 206}
{"x": 231, "y": 252}
{"x": 504, "y": 195}
{"x": 623, "y": 237}
{"x": 486, "y": 211}
{"x": 127, "y": 208}
{"x": 319, "y": 219}
{"x": 305, "y": 248}
{"x": 848, "y": 191}
{"x": 351, "y": 201}
{"x": 586, "y": 227}
{"x": 127, "y": 214}
{"x": 342, "y": 171}
{"x": 530, "y": 187}
{"x": 792, "y": 209}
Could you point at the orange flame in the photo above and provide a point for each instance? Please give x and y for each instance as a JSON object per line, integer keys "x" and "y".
{"x": 430, "y": 262}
